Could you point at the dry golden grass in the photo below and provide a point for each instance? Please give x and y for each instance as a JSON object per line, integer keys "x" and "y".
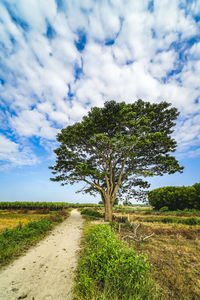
{"x": 11, "y": 218}
{"x": 174, "y": 253}
{"x": 142, "y": 208}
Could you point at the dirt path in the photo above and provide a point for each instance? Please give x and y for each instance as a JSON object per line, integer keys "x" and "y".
{"x": 46, "y": 271}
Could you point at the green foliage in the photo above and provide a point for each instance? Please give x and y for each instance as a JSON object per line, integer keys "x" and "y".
{"x": 14, "y": 241}
{"x": 116, "y": 202}
{"x": 91, "y": 213}
{"x": 127, "y": 203}
{"x": 163, "y": 209}
{"x": 108, "y": 269}
{"x": 176, "y": 197}
{"x": 115, "y": 147}
{"x": 42, "y": 205}
{"x": 114, "y": 225}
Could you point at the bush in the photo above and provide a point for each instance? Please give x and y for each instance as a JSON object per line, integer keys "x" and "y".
{"x": 107, "y": 267}
{"x": 175, "y": 197}
{"x": 163, "y": 209}
{"x": 91, "y": 213}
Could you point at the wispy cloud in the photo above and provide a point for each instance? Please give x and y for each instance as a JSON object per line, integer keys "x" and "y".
{"x": 58, "y": 58}
{"x": 13, "y": 155}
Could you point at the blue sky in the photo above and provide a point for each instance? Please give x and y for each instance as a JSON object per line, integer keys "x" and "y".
{"x": 59, "y": 58}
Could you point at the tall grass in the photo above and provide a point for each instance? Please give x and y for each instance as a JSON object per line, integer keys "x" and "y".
{"x": 14, "y": 241}
{"x": 91, "y": 213}
{"x": 107, "y": 269}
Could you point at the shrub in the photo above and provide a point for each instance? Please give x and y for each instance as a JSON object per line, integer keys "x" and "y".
{"x": 91, "y": 213}
{"x": 164, "y": 208}
{"x": 108, "y": 267}
{"x": 175, "y": 197}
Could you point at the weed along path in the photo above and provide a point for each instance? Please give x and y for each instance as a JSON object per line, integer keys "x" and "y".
{"x": 46, "y": 270}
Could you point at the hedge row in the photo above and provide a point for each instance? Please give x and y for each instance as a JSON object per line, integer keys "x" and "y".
{"x": 183, "y": 197}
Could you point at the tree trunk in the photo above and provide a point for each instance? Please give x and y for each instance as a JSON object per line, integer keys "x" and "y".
{"x": 108, "y": 209}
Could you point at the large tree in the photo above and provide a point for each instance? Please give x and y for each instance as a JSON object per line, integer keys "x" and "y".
{"x": 114, "y": 147}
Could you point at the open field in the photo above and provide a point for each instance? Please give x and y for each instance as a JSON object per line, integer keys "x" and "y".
{"x": 20, "y": 229}
{"x": 173, "y": 252}
{"x": 10, "y": 219}
{"x": 46, "y": 270}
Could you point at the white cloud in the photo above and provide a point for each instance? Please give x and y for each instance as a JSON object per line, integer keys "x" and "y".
{"x": 12, "y": 154}
{"x": 7, "y": 146}
{"x": 40, "y": 72}
{"x": 33, "y": 123}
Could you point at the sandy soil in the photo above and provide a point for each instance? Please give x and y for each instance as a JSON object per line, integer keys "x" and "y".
{"x": 46, "y": 270}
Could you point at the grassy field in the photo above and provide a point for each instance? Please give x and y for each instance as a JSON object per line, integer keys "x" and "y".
{"x": 11, "y": 218}
{"x": 20, "y": 229}
{"x": 173, "y": 252}
{"x": 173, "y": 249}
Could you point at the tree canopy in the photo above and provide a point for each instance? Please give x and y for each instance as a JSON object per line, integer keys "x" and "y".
{"x": 116, "y": 146}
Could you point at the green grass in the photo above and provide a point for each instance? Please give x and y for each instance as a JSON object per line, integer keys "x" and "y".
{"x": 14, "y": 241}
{"x": 91, "y": 213}
{"x": 107, "y": 269}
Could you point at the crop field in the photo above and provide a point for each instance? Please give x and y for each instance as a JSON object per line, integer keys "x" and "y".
{"x": 22, "y": 228}
{"x": 53, "y": 206}
{"x": 12, "y": 218}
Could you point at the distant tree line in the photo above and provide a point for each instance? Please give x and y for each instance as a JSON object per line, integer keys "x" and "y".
{"x": 175, "y": 197}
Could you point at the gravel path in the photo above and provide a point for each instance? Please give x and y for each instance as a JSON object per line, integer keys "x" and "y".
{"x": 46, "y": 270}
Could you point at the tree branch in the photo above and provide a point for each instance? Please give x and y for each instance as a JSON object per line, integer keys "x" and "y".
{"x": 94, "y": 185}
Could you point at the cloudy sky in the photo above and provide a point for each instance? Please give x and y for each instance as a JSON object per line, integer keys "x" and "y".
{"x": 58, "y": 58}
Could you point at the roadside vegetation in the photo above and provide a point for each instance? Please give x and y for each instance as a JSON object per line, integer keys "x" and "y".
{"x": 11, "y": 218}
{"x": 91, "y": 214}
{"x": 31, "y": 227}
{"x": 108, "y": 269}
{"x": 172, "y": 249}
{"x": 172, "y": 246}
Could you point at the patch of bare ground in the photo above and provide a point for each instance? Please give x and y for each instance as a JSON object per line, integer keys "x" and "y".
{"x": 45, "y": 272}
